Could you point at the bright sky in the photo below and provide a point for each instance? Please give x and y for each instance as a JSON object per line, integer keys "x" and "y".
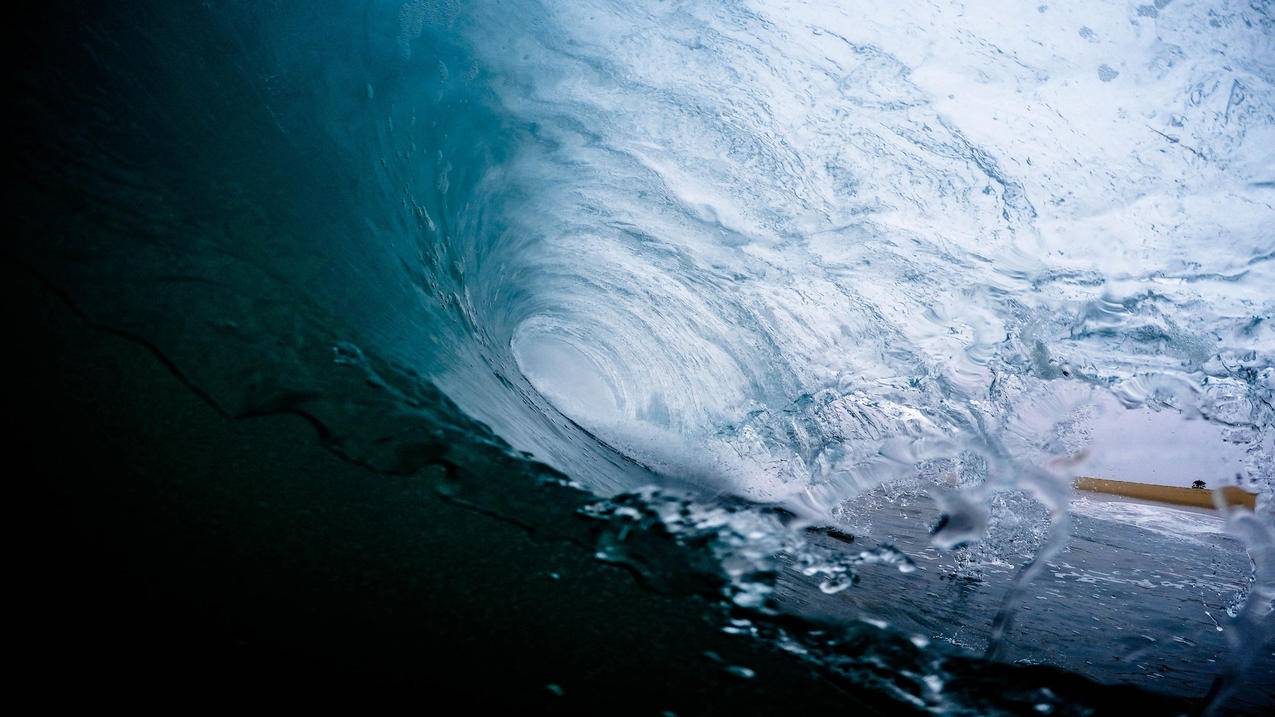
{"x": 1161, "y": 447}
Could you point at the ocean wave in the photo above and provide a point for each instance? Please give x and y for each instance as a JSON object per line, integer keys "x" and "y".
{"x": 784, "y": 251}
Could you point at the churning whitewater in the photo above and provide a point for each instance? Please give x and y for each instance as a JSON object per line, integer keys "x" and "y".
{"x": 784, "y": 278}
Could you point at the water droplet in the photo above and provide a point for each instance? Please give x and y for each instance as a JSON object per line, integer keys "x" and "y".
{"x": 836, "y": 583}
{"x": 962, "y": 522}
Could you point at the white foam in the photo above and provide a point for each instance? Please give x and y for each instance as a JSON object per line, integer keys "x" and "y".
{"x": 1161, "y": 519}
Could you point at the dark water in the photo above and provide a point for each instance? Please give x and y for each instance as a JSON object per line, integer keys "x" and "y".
{"x": 382, "y": 217}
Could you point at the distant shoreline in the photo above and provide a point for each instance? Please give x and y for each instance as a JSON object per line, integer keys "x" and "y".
{"x": 1172, "y": 495}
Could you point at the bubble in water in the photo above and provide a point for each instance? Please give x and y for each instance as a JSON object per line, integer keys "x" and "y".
{"x": 836, "y": 583}
{"x": 962, "y": 522}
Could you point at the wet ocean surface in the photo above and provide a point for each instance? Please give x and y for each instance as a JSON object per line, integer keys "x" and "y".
{"x": 1122, "y": 603}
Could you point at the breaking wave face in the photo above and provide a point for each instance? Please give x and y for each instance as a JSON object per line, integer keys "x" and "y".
{"x": 792, "y": 250}
{"x": 789, "y": 251}
{"x": 785, "y": 251}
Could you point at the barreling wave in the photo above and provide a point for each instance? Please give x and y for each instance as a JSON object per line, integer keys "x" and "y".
{"x": 782, "y": 252}
{"x": 763, "y": 251}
